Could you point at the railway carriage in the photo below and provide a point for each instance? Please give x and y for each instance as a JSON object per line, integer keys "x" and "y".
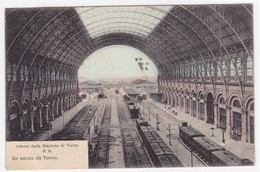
{"x": 227, "y": 158}
{"x": 205, "y": 147}
{"x": 159, "y": 152}
{"x": 187, "y": 133}
{"x": 209, "y": 151}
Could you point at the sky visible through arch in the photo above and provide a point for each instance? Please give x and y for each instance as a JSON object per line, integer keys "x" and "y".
{"x": 117, "y": 63}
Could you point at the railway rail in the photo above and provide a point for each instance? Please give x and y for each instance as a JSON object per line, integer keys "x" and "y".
{"x": 100, "y": 155}
{"x": 134, "y": 155}
{"x": 75, "y": 128}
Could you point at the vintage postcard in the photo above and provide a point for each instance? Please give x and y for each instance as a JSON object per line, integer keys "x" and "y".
{"x": 129, "y": 86}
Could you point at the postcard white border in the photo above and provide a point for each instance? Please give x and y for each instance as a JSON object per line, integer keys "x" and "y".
{"x": 71, "y": 3}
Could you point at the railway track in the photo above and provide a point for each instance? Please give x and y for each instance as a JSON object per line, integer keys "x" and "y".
{"x": 100, "y": 155}
{"x": 134, "y": 155}
{"x": 75, "y": 128}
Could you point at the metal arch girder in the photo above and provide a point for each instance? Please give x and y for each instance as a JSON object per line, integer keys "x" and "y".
{"x": 61, "y": 27}
{"x": 72, "y": 33}
{"x": 135, "y": 40}
{"x": 42, "y": 60}
{"x": 140, "y": 13}
{"x": 94, "y": 47}
{"x": 201, "y": 37}
{"x": 198, "y": 27}
{"x": 159, "y": 65}
{"x": 184, "y": 35}
{"x": 65, "y": 40}
{"x": 208, "y": 23}
{"x": 134, "y": 33}
{"x": 34, "y": 38}
{"x": 240, "y": 18}
{"x": 72, "y": 51}
{"x": 191, "y": 44}
{"x": 237, "y": 34}
{"x": 216, "y": 61}
{"x": 207, "y": 48}
{"x": 103, "y": 40}
{"x": 89, "y": 51}
{"x": 19, "y": 33}
{"x": 41, "y": 30}
{"x": 232, "y": 62}
{"x": 39, "y": 68}
{"x": 249, "y": 12}
{"x": 223, "y": 48}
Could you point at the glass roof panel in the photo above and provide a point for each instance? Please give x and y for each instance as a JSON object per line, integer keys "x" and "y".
{"x": 137, "y": 20}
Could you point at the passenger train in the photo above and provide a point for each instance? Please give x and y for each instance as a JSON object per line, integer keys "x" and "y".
{"x": 210, "y": 152}
{"x": 159, "y": 152}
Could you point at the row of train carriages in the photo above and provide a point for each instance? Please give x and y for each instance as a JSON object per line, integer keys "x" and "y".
{"x": 208, "y": 151}
{"x": 159, "y": 152}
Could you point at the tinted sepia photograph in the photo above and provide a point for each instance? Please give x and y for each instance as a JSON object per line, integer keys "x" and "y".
{"x": 146, "y": 85}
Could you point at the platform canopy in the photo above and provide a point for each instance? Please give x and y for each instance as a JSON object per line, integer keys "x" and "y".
{"x": 169, "y": 35}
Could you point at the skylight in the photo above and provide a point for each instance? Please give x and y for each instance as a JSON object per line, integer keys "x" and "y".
{"x": 137, "y": 20}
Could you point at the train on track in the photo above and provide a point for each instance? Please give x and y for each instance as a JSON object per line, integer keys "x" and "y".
{"x": 208, "y": 151}
{"x": 132, "y": 107}
{"x": 159, "y": 152}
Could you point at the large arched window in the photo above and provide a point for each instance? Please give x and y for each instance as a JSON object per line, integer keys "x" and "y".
{"x": 222, "y": 113}
{"x": 9, "y": 72}
{"x": 177, "y": 99}
{"x": 201, "y": 108}
{"x": 194, "y": 105}
{"x": 232, "y": 69}
{"x": 26, "y": 73}
{"x": 173, "y": 100}
{"x": 14, "y": 119}
{"x": 252, "y": 123}
{"x": 53, "y": 75}
{"x": 22, "y": 73}
{"x": 237, "y": 120}
{"x": 187, "y": 102}
{"x": 210, "y": 108}
{"x": 14, "y": 72}
{"x": 182, "y": 100}
{"x": 249, "y": 68}
{"x": 26, "y": 117}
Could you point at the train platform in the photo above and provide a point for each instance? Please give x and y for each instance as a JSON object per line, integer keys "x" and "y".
{"x": 239, "y": 148}
{"x": 59, "y": 123}
{"x": 116, "y": 156}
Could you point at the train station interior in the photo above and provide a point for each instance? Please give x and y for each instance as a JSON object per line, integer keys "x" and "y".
{"x": 204, "y": 55}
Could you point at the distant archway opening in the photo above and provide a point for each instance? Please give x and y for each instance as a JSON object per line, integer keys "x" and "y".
{"x": 118, "y": 62}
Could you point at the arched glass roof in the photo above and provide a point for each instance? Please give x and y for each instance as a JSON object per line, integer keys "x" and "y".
{"x": 169, "y": 35}
{"x": 137, "y": 20}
